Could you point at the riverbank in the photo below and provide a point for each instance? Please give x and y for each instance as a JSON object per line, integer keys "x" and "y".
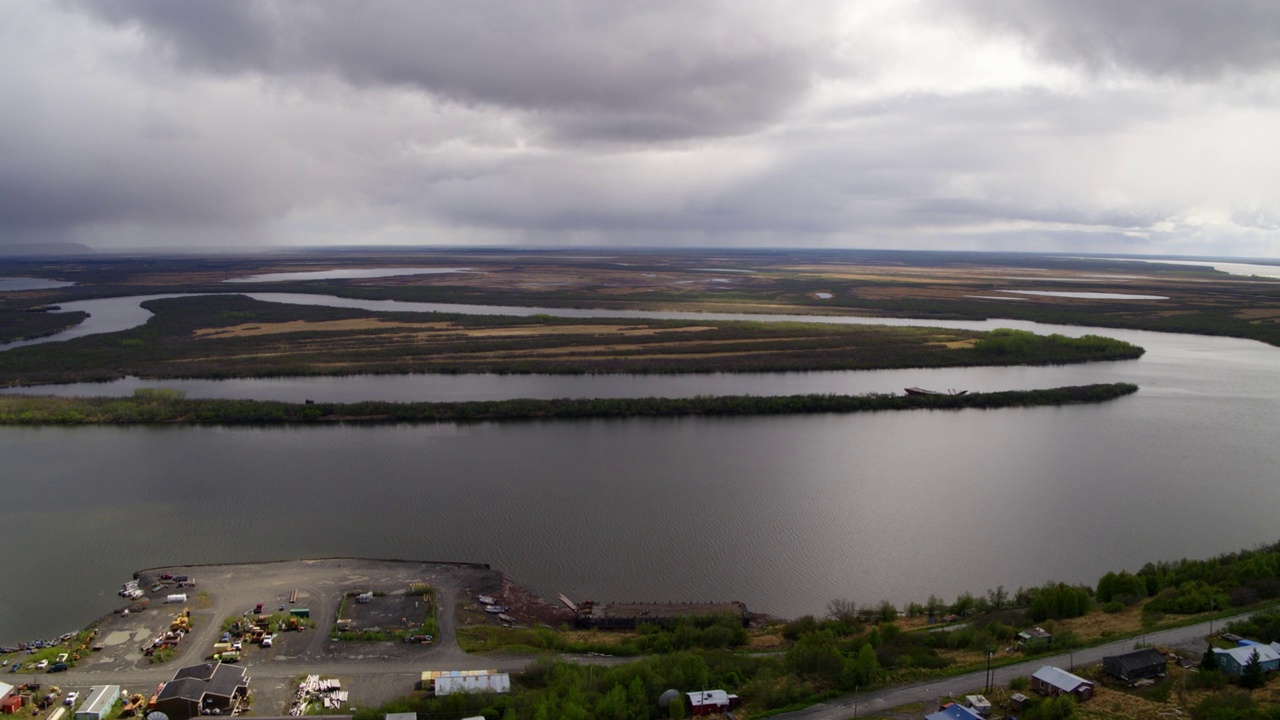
{"x": 159, "y": 406}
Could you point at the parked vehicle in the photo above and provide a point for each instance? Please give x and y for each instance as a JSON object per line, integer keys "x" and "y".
{"x": 42, "y": 664}
{"x": 71, "y": 698}
{"x": 58, "y": 667}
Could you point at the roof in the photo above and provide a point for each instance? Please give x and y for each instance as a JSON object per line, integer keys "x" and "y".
{"x": 5, "y": 689}
{"x": 953, "y": 711}
{"x": 719, "y": 698}
{"x": 499, "y": 683}
{"x": 1146, "y": 657}
{"x": 100, "y": 700}
{"x": 196, "y": 681}
{"x": 1036, "y": 632}
{"x": 1242, "y": 654}
{"x": 1059, "y": 678}
{"x": 977, "y": 701}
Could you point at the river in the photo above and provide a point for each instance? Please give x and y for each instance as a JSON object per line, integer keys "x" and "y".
{"x": 783, "y": 513}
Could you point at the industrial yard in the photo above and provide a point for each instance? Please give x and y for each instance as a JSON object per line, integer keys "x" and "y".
{"x": 360, "y": 624}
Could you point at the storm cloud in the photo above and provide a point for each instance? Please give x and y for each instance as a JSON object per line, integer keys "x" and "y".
{"x": 1084, "y": 126}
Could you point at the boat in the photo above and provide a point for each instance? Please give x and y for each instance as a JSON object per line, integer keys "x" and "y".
{"x": 487, "y": 600}
{"x": 922, "y": 391}
{"x": 496, "y": 609}
{"x": 506, "y": 618}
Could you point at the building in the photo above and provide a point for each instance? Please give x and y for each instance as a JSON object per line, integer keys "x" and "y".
{"x": 979, "y": 704}
{"x": 211, "y": 686}
{"x": 100, "y": 703}
{"x": 10, "y": 704}
{"x": 1137, "y": 665}
{"x": 953, "y": 711}
{"x": 1232, "y": 661}
{"x": 1036, "y": 637}
{"x": 711, "y": 702}
{"x": 447, "y": 682}
{"x": 1050, "y": 681}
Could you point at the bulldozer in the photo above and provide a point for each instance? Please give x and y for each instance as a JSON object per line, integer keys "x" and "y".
{"x": 135, "y": 705}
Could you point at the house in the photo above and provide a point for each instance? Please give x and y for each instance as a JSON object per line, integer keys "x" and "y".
{"x": 711, "y": 702}
{"x": 1232, "y": 661}
{"x": 1137, "y": 665}
{"x": 206, "y": 687}
{"x": 1050, "y": 681}
{"x": 101, "y": 700}
{"x": 11, "y": 704}
{"x": 1036, "y": 637}
{"x": 953, "y": 711}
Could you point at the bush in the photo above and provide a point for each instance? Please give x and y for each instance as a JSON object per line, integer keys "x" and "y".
{"x": 1113, "y": 607}
{"x": 1019, "y": 683}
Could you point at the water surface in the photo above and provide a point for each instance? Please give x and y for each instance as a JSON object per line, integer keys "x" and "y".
{"x": 784, "y": 513}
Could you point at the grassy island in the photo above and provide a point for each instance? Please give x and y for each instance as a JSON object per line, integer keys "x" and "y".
{"x": 228, "y": 336}
{"x": 162, "y": 406}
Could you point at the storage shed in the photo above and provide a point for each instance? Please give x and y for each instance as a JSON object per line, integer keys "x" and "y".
{"x": 711, "y": 702}
{"x": 1137, "y": 665}
{"x": 1050, "y": 680}
{"x": 11, "y": 704}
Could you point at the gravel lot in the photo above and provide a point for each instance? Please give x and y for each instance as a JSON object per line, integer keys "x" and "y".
{"x": 372, "y": 672}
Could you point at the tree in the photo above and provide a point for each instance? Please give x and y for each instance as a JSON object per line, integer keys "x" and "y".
{"x": 1209, "y": 661}
{"x": 963, "y": 604}
{"x": 816, "y": 656}
{"x": 998, "y": 598}
{"x": 935, "y": 606}
{"x": 886, "y": 612}
{"x": 863, "y": 669}
{"x": 1251, "y": 677}
{"x": 843, "y": 611}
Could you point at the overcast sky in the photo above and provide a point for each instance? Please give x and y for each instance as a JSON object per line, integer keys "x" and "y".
{"x": 1081, "y": 126}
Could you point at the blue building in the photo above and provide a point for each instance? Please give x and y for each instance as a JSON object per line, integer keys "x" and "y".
{"x": 1232, "y": 661}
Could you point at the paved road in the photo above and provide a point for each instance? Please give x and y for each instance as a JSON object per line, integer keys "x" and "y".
{"x": 1191, "y": 637}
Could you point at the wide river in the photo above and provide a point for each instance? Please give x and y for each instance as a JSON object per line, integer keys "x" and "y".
{"x": 784, "y": 513}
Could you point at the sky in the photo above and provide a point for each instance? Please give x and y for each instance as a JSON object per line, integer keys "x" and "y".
{"x": 1030, "y": 125}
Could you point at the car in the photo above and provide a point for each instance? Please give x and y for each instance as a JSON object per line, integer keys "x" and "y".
{"x": 266, "y": 641}
{"x": 14, "y": 668}
{"x": 42, "y": 664}
{"x": 62, "y": 657}
{"x": 57, "y": 667}
{"x": 282, "y": 607}
{"x": 71, "y": 698}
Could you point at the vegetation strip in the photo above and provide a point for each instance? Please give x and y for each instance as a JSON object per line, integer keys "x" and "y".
{"x": 169, "y": 406}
